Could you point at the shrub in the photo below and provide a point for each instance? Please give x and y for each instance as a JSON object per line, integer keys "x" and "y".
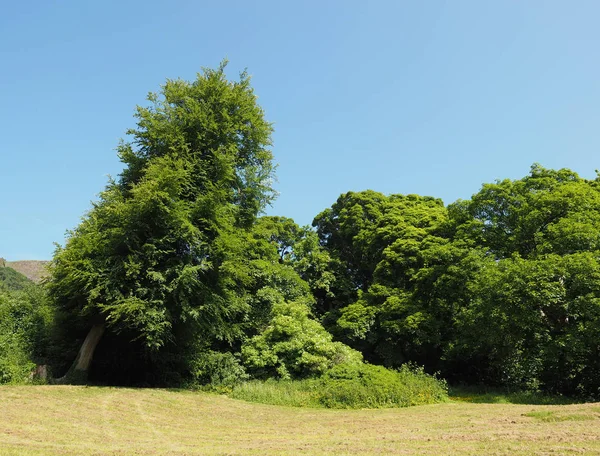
{"x": 23, "y": 320}
{"x": 15, "y": 362}
{"x": 369, "y": 386}
{"x": 218, "y": 370}
{"x": 294, "y": 346}
{"x": 349, "y": 386}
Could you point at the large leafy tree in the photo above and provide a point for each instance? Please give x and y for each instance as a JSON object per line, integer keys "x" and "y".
{"x": 395, "y": 290}
{"x": 534, "y": 308}
{"x": 548, "y": 211}
{"x": 148, "y": 263}
{"x": 501, "y": 288}
{"x": 357, "y": 229}
{"x": 534, "y": 323}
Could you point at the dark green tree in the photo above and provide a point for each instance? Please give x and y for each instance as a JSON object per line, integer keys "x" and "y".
{"x": 358, "y": 228}
{"x": 148, "y": 263}
{"x": 395, "y": 292}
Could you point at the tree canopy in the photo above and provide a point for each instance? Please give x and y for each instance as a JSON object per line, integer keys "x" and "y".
{"x": 148, "y": 260}
{"x": 172, "y": 267}
{"x": 501, "y": 288}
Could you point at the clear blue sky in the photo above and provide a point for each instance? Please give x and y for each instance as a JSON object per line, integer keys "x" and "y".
{"x": 432, "y": 97}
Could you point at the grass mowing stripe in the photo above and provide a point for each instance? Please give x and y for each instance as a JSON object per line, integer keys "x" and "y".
{"x": 66, "y": 420}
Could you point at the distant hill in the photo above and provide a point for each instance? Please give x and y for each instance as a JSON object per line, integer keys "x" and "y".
{"x": 32, "y": 269}
{"x": 13, "y": 280}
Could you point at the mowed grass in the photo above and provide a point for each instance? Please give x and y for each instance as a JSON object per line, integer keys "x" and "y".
{"x": 67, "y": 420}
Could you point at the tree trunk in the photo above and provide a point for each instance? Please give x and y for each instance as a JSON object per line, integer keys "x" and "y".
{"x": 79, "y": 370}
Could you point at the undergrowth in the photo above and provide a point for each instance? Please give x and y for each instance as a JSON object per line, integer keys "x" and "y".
{"x": 479, "y": 394}
{"x": 348, "y": 387}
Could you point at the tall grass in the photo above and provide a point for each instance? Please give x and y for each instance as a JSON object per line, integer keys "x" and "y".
{"x": 349, "y": 387}
{"x": 293, "y": 393}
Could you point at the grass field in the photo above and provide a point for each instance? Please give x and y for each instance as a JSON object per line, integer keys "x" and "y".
{"x": 67, "y": 420}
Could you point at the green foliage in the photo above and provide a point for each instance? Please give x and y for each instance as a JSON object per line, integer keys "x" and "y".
{"x": 294, "y": 346}
{"x": 535, "y": 320}
{"x": 217, "y": 369}
{"x": 399, "y": 279}
{"x": 502, "y": 288}
{"x": 15, "y": 348}
{"x": 13, "y": 280}
{"x": 299, "y": 248}
{"x": 174, "y": 258}
{"x": 359, "y": 226}
{"x": 535, "y": 304}
{"x": 193, "y": 286}
{"x": 157, "y": 259}
{"x": 483, "y": 394}
{"x": 290, "y": 393}
{"x": 547, "y": 211}
{"x": 369, "y": 386}
{"x": 24, "y": 319}
{"x": 349, "y": 386}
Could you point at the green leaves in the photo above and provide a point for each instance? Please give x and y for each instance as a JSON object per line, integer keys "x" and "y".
{"x": 24, "y": 320}
{"x": 394, "y": 285}
{"x": 546, "y": 212}
{"x": 491, "y": 289}
{"x": 218, "y": 128}
{"x": 151, "y": 258}
{"x": 503, "y": 287}
{"x": 294, "y": 345}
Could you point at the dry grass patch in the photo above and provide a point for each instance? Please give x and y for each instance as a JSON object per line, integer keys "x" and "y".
{"x": 64, "y": 420}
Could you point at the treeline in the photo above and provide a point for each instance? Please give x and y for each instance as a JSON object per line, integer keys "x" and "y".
{"x": 501, "y": 289}
{"x": 173, "y": 278}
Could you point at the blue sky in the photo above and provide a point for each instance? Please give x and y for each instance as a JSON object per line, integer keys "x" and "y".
{"x": 432, "y": 97}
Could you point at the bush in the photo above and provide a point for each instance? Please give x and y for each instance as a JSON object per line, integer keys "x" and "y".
{"x": 349, "y": 386}
{"x": 369, "y": 386}
{"x": 23, "y": 320}
{"x": 294, "y": 346}
{"x": 218, "y": 370}
{"x": 15, "y": 362}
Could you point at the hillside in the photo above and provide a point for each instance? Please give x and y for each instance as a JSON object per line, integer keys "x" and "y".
{"x": 12, "y": 279}
{"x": 32, "y": 269}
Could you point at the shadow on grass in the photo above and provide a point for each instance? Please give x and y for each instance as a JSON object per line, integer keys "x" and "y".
{"x": 487, "y": 395}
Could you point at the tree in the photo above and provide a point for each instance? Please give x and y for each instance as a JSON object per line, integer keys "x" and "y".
{"x": 547, "y": 211}
{"x": 399, "y": 278}
{"x": 359, "y": 227}
{"x": 501, "y": 288}
{"x": 263, "y": 270}
{"x": 535, "y": 304}
{"x": 299, "y": 248}
{"x": 533, "y": 323}
{"x": 145, "y": 264}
